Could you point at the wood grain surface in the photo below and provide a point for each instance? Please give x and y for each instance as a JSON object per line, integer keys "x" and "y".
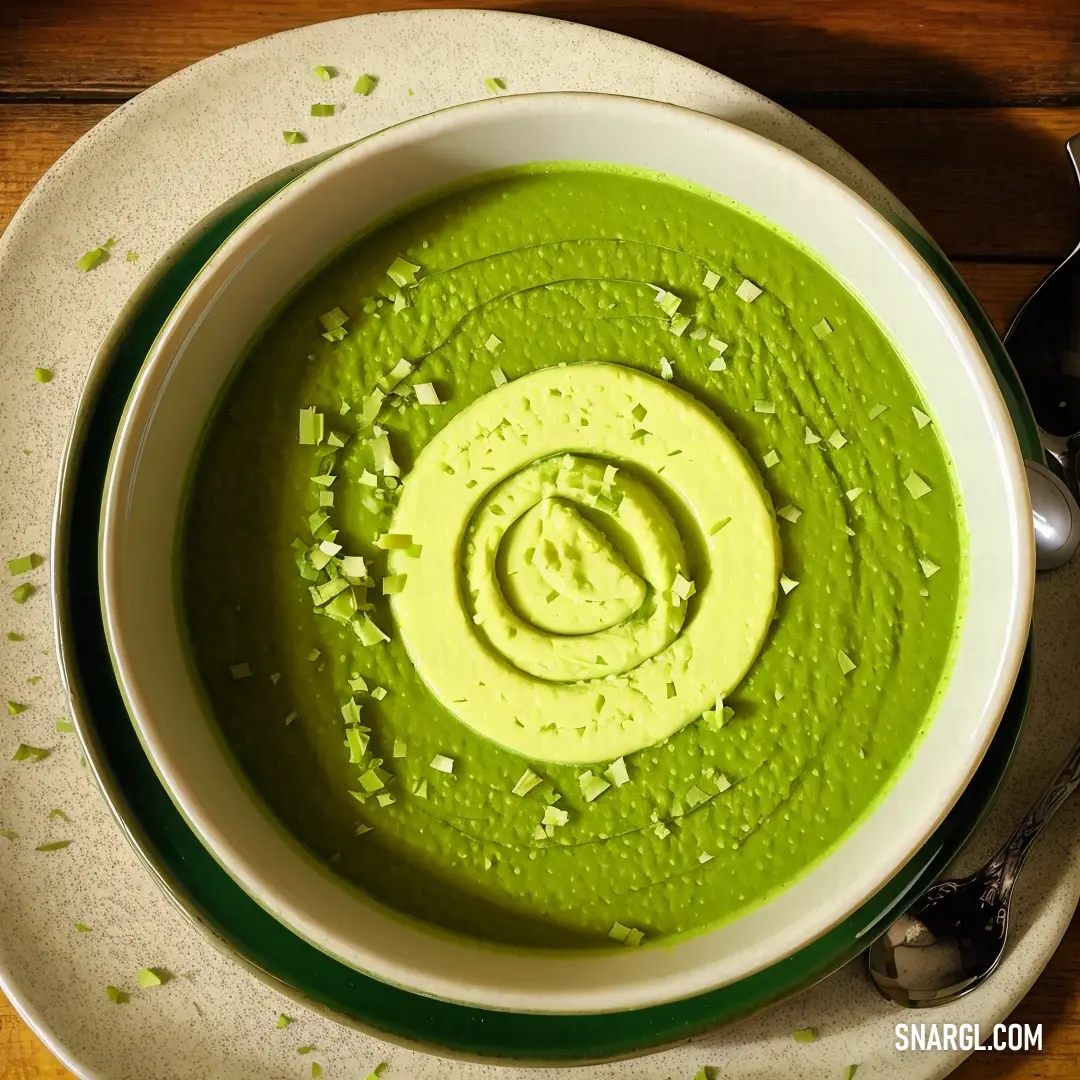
{"x": 960, "y": 106}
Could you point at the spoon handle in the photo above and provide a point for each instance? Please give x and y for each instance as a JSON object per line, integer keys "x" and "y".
{"x": 1003, "y": 868}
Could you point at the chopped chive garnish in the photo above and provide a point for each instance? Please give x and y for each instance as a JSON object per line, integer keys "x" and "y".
{"x": 353, "y": 566}
{"x": 393, "y": 541}
{"x": 789, "y": 513}
{"x": 493, "y": 344}
{"x": 83, "y": 928}
{"x": 705, "y": 857}
{"x": 365, "y": 84}
{"x": 148, "y": 977}
{"x": 399, "y": 748}
{"x": 527, "y": 781}
{"x": 929, "y": 568}
{"x": 916, "y": 485}
{"x": 64, "y": 726}
{"x": 322, "y": 109}
{"x": 847, "y": 665}
{"x": 497, "y": 376}
{"x": 810, "y": 438}
{"x": 57, "y": 813}
{"x": 43, "y": 374}
{"x": 333, "y": 318}
{"x": 877, "y": 410}
{"x": 853, "y": 493}
{"x": 21, "y": 593}
{"x": 362, "y": 830}
{"x": 316, "y": 1070}
{"x": 54, "y": 845}
{"x": 787, "y": 584}
{"x": 368, "y": 633}
{"x": 661, "y": 830}
{"x": 426, "y": 394}
{"x": 695, "y": 796}
{"x": 711, "y": 280}
{"x": 421, "y": 790}
{"x": 378, "y": 693}
{"x": 290, "y": 137}
{"x": 618, "y": 932}
{"x": 678, "y": 325}
{"x": 357, "y": 744}
{"x": 13, "y": 636}
{"x": 92, "y": 258}
{"x": 284, "y": 1021}
{"x": 836, "y": 440}
{"x": 719, "y": 364}
{"x": 377, "y": 1072}
{"x": 699, "y": 334}
{"x": 110, "y": 243}
{"x": 764, "y": 407}
{"x": 851, "y": 1071}
{"x": 312, "y": 427}
{"x": 314, "y": 655}
{"x": 592, "y": 786}
{"x": 748, "y": 292}
{"x": 770, "y": 459}
{"x": 682, "y": 587}
{"x": 16, "y": 707}
{"x": 116, "y": 995}
{"x": 29, "y": 753}
{"x": 719, "y": 525}
{"x": 722, "y": 783}
{"x": 306, "y": 1049}
{"x": 324, "y": 73}
{"x": 639, "y": 412}
{"x": 384, "y": 798}
{"x": 495, "y": 84}
{"x": 371, "y": 781}
{"x": 402, "y": 272}
{"x": 920, "y": 417}
{"x": 616, "y": 772}
{"x": 442, "y": 763}
{"x": 240, "y": 671}
{"x": 132, "y": 256}
{"x": 667, "y": 302}
{"x": 23, "y": 564}
{"x": 822, "y": 329}
{"x": 804, "y": 1035}
{"x": 290, "y": 718}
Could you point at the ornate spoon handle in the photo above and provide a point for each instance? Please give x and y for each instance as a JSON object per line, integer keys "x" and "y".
{"x": 1003, "y": 868}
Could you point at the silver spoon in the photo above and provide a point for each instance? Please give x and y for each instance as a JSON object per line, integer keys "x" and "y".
{"x": 954, "y": 936}
{"x": 1055, "y": 516}
{"x": 1044, "y": 343}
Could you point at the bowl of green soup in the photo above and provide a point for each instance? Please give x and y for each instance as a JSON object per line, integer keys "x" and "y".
{"x": 565, "y": 554}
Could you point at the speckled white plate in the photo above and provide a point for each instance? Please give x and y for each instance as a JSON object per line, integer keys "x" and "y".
{"x": 146, "y": 175}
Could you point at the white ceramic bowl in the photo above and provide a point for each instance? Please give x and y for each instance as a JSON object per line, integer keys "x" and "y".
{"x": 300, "y": 229}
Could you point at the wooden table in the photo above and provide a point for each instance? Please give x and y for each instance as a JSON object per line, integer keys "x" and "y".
{"x": 960, "y": 106}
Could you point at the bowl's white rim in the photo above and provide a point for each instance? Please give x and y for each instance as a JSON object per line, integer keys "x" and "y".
{"x": 239, "y": 246}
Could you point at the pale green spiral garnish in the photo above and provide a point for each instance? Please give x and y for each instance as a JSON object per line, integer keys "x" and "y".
{"x": 563, "y": 517}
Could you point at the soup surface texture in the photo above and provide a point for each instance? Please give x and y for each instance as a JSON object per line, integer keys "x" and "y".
{"x": 573, "y": 561}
